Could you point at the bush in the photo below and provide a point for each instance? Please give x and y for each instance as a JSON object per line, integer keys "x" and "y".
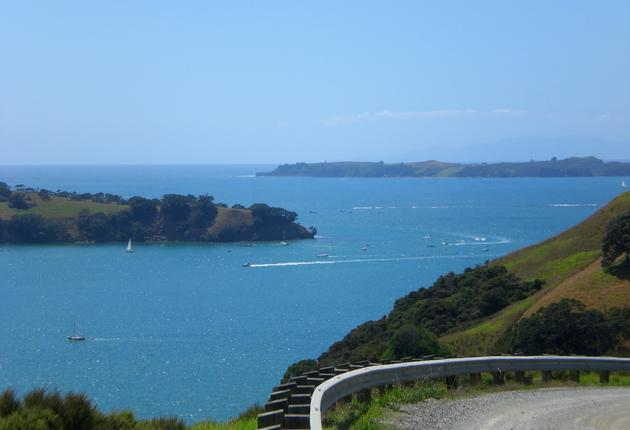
{"x": 9, "y": 403}
{"x": 616, "y": 241}
{"x": 32, "y": 419}
{"x": 299, "y": 368}
{"x": 410, "y": 341}
{"x": 566, "y": 327}
{"x": 19, "y": 201}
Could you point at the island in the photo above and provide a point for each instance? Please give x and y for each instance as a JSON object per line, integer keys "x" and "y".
{"x": 569, "y": 167}
{"x": 29, "y": 215}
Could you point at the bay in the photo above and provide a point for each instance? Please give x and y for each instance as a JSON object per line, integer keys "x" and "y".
{"x": 183, "y": 329}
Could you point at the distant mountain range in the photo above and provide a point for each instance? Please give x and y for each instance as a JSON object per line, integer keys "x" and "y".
{"x": 522, "y": 149}
{"x": 575, "y": 166}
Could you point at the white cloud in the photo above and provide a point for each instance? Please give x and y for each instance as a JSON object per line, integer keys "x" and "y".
{"x": 402, "y": 115}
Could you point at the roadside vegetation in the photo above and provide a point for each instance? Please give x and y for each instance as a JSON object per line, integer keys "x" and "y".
{"x": 50, "y": 410}
{"x": 357, "y": 414}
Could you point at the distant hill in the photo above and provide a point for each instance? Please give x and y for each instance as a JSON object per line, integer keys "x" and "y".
{"x": 584, "y": 166}
{"x": 520, "y": 149}
{"x": 41, "y": 216}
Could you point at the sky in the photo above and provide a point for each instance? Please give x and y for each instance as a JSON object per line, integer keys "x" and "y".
{"x": 285, "y": 81}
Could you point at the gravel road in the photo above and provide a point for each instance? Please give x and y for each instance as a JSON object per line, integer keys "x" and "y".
{"x": 546, "y": 409}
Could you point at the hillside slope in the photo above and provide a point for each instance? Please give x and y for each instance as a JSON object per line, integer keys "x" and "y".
{"x": 570, "y": 265}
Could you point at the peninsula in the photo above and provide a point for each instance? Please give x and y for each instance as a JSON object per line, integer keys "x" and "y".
{"x": 30, "y": 215}
{"x": 575, "y": 166}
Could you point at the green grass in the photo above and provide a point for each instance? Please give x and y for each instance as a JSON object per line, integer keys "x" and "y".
{"x": 60, "y": 208}
{"x": 555, "y": 261}
{"x": 356, "y": 415}
{"x": 236, "y": 424}
{"x": 247, "y": 420}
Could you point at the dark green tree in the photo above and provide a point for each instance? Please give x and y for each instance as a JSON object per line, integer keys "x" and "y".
{"x": 299, "y": 368}
{"x": 616, "y": 241}
{"x": 565, "y": 327}
{"x": 143, "y": 210}
{"x": 5, "y": 192}
{"x": 18, "y": 201}
{"x": 410, "y": 341}
{"x": 176, "y": 207}
{"x": 32, "y": 228}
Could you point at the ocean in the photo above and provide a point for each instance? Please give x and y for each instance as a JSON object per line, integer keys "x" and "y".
{"x": 184, "y": 329}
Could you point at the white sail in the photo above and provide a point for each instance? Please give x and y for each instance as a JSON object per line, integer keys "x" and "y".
{"x": 129, "y": 248}
{"x": 623, "y": 184}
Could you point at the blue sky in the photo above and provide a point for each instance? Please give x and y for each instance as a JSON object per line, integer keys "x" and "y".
{"x": 257, "y": 82}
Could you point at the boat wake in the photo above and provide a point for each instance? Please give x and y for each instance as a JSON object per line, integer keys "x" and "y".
{"x": 573, "y": 205}
{"x": 364, "y": 260}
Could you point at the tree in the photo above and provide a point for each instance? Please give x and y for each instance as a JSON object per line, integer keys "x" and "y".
{"x": 204, "y": 212}
{"x": 32, "y": 228}
{"x": 176, "y": 207}
{"x": 18, "y": 201}
{"x": 298, "y": 368}
{"x": 5, "y": 192}
{"x": 565, "y": 327}
{"x": 616, "y": 241}
{"x": 143, "y": 210}
{"x": 410, "y": 341}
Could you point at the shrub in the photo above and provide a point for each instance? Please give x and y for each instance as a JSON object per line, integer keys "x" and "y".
{"x": 565, "y": 327}
{"x": 616, "y": 241}
{"x": 9, "y": 403}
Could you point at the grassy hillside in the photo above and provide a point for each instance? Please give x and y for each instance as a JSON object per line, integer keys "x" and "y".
{"x": 570, "y": 265}
{"x": 60, "y": 207}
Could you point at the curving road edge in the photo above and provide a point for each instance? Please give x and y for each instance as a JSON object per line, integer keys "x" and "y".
{"x": 340, "y": 386}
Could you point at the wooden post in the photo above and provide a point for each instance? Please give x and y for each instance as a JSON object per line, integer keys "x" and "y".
{"x": 604, "y": 376}
{"x": 474, "y": 378}
{"x": 574, "y": 375}
{"x": 498, "y": 377}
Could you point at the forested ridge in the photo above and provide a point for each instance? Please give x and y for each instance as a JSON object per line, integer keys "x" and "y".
{"x": 42, "y": 216}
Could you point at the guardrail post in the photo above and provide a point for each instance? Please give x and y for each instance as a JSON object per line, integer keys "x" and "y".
{"x": 546, "y": 375}
{"x": 574, "y": 375}
{"x": 498, "y": 378}
{"x": 474, "y": 378}
{"x": 451, "y": 381}
{"x": 604, "y": 376}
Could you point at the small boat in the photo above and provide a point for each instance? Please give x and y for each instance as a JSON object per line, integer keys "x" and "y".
{"x": 284, "y": 243}
{"x": 485, "y": 249}
{"x": 323, "y": 255}
{"x": 364, "y": 248}
{"x": 75, "y": 337}
{"x": 246, "y": 264}
{"x": 444, "y": 243}
{"x": 129, "y": 248}
{"x": 623, "y": 184}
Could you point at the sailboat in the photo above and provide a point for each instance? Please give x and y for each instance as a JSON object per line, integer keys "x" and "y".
{"x": 75, "y": 337}
{"x": 129, "y": 248}
{"x": 623, "y": 184}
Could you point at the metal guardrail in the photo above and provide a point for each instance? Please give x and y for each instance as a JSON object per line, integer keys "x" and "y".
{"x": 342, "y": 385}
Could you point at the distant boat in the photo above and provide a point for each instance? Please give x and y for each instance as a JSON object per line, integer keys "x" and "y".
{"x": 246, "y": 264}
{"x": 323, "y": 256}
{"x": 364, "y": 248}
{"x": 282, "y": 242}
{"x": 485, "y": 249}
{"x": 75, "y": 337}
{"x": 129, "y": 248}
{"x": 623, "y": 184}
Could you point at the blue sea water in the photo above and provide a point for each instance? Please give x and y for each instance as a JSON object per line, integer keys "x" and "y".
{"x": 184, "y": 329}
